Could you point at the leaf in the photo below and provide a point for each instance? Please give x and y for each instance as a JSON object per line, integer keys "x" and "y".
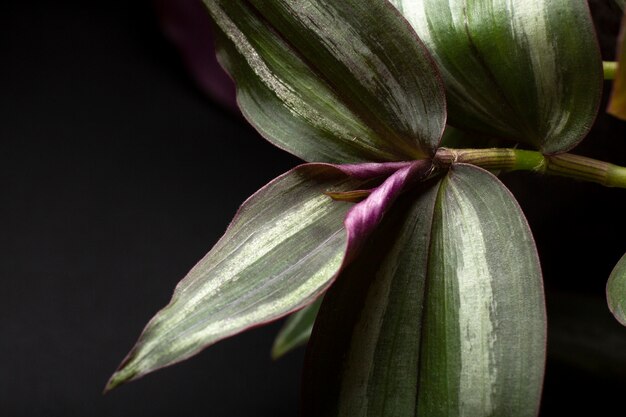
{"x": 515, "y": 69}
{"x": 617, "y": 102}
{"x": 187, "y": 27}
{"x": 616, "y": 291}
{"x": 296, "y": 330}
{"x": 441, "y": 315}
{"x": 362, "y": 359}
{"x": 282, "y": 250}
{"x": 332, "y": 81}
{"x": 484, "y": 327}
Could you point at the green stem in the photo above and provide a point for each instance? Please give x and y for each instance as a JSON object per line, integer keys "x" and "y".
{"x": 564, "y": 165}
{"x": 610, "y": 68}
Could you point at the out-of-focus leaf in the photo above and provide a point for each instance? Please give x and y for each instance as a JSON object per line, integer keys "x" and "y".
{"x": 186, "y": 24}
{"x": 282, "y": 250}
{"x": 441, "y": 315}
{"x": 525, "y": 70}
{"x": 620, "y": 3}
{"x": 617, "y": 102}
{"x": 616, "y": 291}
{"x": 332, "y": 81}
{"x": 296, "y": 330}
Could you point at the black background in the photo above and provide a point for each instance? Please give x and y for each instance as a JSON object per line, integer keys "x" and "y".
{"x": 117, "y": 175}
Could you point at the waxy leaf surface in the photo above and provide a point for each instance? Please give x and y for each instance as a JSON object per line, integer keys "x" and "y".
{"x": 281, "y": 252}
{"x": 524, "y": 70}
{"x": 332, "y": 81}
{"x": 616, "y": 291}
{"x": 441, "y": 315}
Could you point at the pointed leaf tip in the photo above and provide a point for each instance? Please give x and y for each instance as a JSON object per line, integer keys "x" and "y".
{"x": 113, "y": 383}
{"x": 121, "y": 376}
{"x": 281, "y": 251}
{"x": 296, "y": 330}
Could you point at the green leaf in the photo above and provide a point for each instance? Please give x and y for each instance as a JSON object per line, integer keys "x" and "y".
{"x": 362, "y": 359}
{"x": 279, "y": 254}
{"x": 296, "y": 330}
{"x": 523, "y": 70}
{"x": 332, "y": 81}
{"x": 484, "y": 326}
{"x": 616, "y": 291}
{"x": 441, "y": 315}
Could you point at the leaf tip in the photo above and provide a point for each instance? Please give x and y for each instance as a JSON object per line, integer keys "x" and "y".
{"x": 120, "y": 377}
{"x": 123, "y": 374}
{"x": 278, "y": 351}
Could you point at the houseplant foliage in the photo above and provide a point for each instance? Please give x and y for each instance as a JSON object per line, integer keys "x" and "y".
{"x": 437, "y": 308}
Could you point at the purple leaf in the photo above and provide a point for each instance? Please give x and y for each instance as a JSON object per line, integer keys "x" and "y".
{"x": 187, "y": 25}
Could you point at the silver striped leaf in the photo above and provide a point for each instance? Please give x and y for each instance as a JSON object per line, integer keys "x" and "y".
{"x": 442, "y": 315}
{"x": 281, "y": 251}
{"x": 524, "y": 70}
{"x": 332, "y": 81}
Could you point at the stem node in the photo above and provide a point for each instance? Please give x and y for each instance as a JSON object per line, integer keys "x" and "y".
{"x": 506, "y": 159}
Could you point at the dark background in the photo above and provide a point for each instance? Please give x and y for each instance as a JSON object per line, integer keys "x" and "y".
{"x": 117, "y": 174}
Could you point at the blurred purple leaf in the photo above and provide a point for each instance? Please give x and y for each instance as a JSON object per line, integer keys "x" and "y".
{"x": 187, "y": 25}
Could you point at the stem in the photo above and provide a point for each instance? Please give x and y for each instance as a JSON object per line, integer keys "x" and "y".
{"x": 610, "y": 68}
{"x": 564, "y": 165}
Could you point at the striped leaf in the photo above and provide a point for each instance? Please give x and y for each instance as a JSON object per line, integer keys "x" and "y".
{"x": 362, "y": 359}
{"x": 296, "y": 330}
{"x": 280, "y": 253}
{"x": 332, "y": 81}
{"x": 484, "y": 329}
{"x": 616, "y": 291}
{"x": 442, "y": 315}
{"x": 523, "y": 70}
